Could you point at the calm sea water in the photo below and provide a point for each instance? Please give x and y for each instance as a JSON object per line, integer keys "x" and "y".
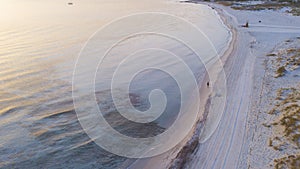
{"x": 39, "y": 44}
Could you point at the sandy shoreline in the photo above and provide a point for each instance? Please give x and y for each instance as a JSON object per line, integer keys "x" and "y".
{"x": 176, "y": 157}
{"x": 188, "y": 149}
{"x": 233, "y": 144}
{"x": 186, "y": 153}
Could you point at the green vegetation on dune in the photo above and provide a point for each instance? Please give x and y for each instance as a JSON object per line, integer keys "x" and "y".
{"x": 283, "y": 119}
{"x": 265, "y": 5}
{"x": 286, "y": 127}
{"x": 288, "y": 111}
{"x": 286, "y": 60}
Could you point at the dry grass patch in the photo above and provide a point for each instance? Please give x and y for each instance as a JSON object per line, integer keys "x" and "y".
{"x": 280, "y": 71}
{"x": 294, "y": 7}
{"x": 225, "y": 3}
{"x": 288, "y": 162}
{"x": 271, "y": 54}
{"x": 286, "y": 59}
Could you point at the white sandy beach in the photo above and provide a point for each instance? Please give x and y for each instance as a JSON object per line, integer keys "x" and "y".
{"x": 238, "y": 141}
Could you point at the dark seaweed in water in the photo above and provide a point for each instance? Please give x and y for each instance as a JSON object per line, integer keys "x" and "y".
{"x": 51, "y": 136}
{"x": 123, "y": 125}
{"x": 60, "y": 142}
{"x": 138, "y": 95}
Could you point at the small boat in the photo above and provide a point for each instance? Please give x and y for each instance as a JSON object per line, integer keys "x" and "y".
{"x": 70, "y": 3}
